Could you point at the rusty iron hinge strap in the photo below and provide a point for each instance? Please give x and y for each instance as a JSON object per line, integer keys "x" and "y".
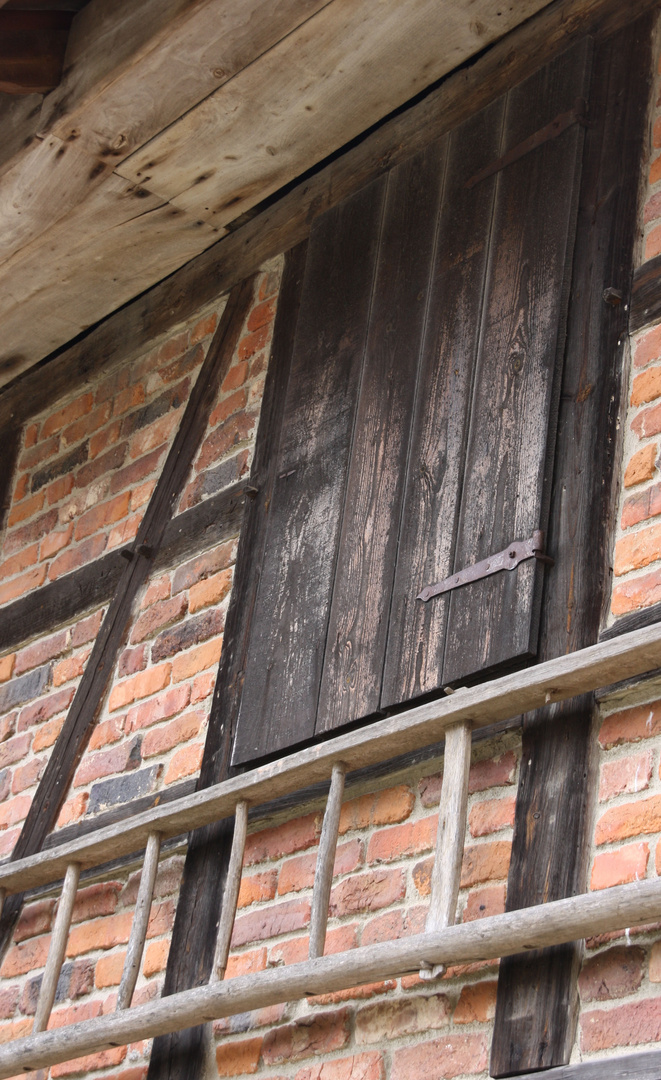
{"x": 503, "y": 560}
{"x": 577, "y": 115}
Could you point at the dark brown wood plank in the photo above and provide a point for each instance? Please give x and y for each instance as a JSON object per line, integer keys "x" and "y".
{"x": 32, "y": 48}
{"x": 416, "y": 634}
{"x": 537, "y": 999}
{"x": 634, "y": 620}
{"x": 288, "y": 634}
{"x": 495, "y": 620}
{"x": 12, "y": 444}
{"x": 355, "y": 647}
{"x": 286, "y": 220}
{"x": 645, "y": 304}
{"x": 210, "y": 522}
{"x": 641, "y": 1066}
{"x": 182, "y": 1054}
{"x": 71, "y": 742}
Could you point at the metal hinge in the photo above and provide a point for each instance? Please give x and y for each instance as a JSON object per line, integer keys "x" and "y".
{"x": 577, "y": 115}
{"x": 503, "y": 560}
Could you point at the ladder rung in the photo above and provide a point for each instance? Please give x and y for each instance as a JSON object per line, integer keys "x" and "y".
{"x": 323, "y": 875}
{"x": 58, "y": 947}
{"x": 136, "y": 945}
{"x": 231, "y": 893}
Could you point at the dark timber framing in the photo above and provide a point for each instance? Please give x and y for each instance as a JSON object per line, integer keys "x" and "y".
{"x": 182, "y": 1053}
{"x": 537, "y": 996}
{"x": 72, "y": 740}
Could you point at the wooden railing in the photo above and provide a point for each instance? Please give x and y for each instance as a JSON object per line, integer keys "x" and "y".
{"x": 442, "y": 943}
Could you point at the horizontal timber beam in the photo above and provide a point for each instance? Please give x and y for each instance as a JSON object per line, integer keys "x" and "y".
{"x": 210, "y": 522}
{"x": 498, "y": 935}
{"x": 640, "y": 1066}
{"x": 550, "y": 682}
{"x": 287, "y": 219}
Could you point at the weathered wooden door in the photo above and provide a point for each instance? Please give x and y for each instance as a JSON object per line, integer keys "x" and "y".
{"x": 418, "y": 429}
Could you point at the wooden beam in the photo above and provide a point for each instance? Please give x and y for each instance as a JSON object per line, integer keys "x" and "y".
{"x": 640, "y": 1066}
{"x": 203, "y": 526}
{"x": 65, "y": 756}
{"x": 136, "y": 945}
{"x": 634, "y": 620}
{"x": 323, "y": 875}
{"x": 537, "y": 1004}
{"x": 556, "y": 680}
{"x": 287, "y": 221}
{"x": 482, "y": 939}
{"x": 645, "y": 303}
{"x": 57, "y": 949}
{"x": 32, "y": 48}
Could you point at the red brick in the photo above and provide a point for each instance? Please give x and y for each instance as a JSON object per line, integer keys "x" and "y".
{"x": 204, "y": 328}
{"x": 102, "y": 515}
{"x": 647, "y": 422}
{"x": 261, "y": 314}
{"x": 21, "y": 488}
{"x": 87, "y": 425}
{"x": 14, "y": 749}
{"x": 642, "y": 465}
{"x": 631, "y": 725}
{"x": 296, "y": 835}
{"x": 48, "y": 734}
{"x": 392, "y": 1019}
{"x": 251, "y": 343}
{"x": 102, "y": 933}
{"x": 132, "y": 474}
{"x": 109, "y": 970}
{"x": 159, "y": 708}
{"x": 139, "y": 686}
{"x": 46, "y": 649}
{"x": 219, "y": 558}
{"x": 7, "y": 726}
{"x": 7, "y": 667}
{"x": 612, "y": 974}
{"x": 236, "y": 376}
{"x": 107, "y": 762}
{"x": 491, "y": 816}
{"x": 27, "y": 956}
{"x": 453, "y": 1055}
{"x": 626, "y": 1025}
{"x": 653, "y": 241}
{"x": 27, "y": 775}
{"x": 108, "y": 436}
{"x": 238, "y": 1058}
{"x": 31, "y": 434}
{"x": 382, "y": 808}
{"x": 14, "y": 810}
{"x": 630, "y": 774}
{"x": 162, "y": 739}
{"x": 18, "y": 586}
{"x": 202, "y": 686}
{"x": 156, "y": 957}
{"x": 78, "y": 556}
{"x": 295, "y": 950}
{"x": 96, "y": 900}
{"x": 184, "y": 763}
{"x": 646, "y": 386}
{"x": 18, "y": 1029}
{"x": 8, "y": 1002}
{"x": 637, "y": 550}
{"x": 20, "y": 561}
{"x": 367, "y": 1066}
{"x": 229, "y": 405}
{"x": 54, "y": 542}
{"x": 298, "y": 873}
{"x": 35, "y": 919}
{"x": 367, "y": 892}
{"x": 57, "y": 420}
{"x": 639, "y": 593}
{"x": 129, "y": 398}
{"x": 648, "y": 347}
{"x": 17, "y": 539}
{"x": 477, "y": 1003}
{"x": 73, "y": 809}
{"x": 212, "y": 590}
{"x": 247, "y": 963}
{"x": 619, "y": 867}
{"x": 39, "y": 711}
{"x": 155, "y": 435}
{"x": 257, "y": 887}
{"x": 481, "y": 903}
{"x": 109, "y": 731}
{"x": 26, "y": 509}
{"x": 71, "y": 668}
{"x": 271, "y": 921}
{"x": 157, "y": 616}
{"x": 401, "y": 840}
{"x": 131, "y": 661}
{"x": 102, "y": 1060}
{"x": 629, "y": 819}
{"x": 321, "y": 1033}
{"x": 492, "y": 772}
{"x": 59, "y": 489}
{"x": 237, "y": 429}
{"x": 204, "y": 656}
{"x": 34, "y": 456}
{"x": 156, "y": 590}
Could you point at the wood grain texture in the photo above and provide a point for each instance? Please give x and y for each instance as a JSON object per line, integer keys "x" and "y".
{"x": 417, "y": 728}
{"x": 231, "y": 893}
{"x": 57, "y": 948}
{"x": 190, "y": 959}
{"x": 645, "y": 302}
{"x": 136, "y": 942}
{"x": 497, "y": 935}
{"x": 516, "y": 382}
{"x": 71, "y": 742}
{"x": 288, "y": 636}
{"x": 323, "y": 874}
{"x": 537, "y": 1001}
{"x": 425, "y": 550}
{"x": 632, "y": 621}
{"x": 367, "y": 550}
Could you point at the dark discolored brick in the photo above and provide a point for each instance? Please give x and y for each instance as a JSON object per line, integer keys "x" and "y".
{"x": 105, "y": 463}
{"x": 191, "y": 632}
{"x": 169, "y": 399}
{"x": 25, "y": 688}
{"x": 183, "y": 365}
{"x": 20, "y": 538}
{"x": 612, "y": 974}
{"x": 214, "y": 480}
{"x": 76, "y": 979}
{"x": 60, "y": 466}
{"x": 122, "y": 789}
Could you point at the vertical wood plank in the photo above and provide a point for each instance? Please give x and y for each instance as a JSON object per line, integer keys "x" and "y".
{"x": 507, "y": 477}
{"x": 323, "y": 875}
{"x": 190, "y": 960}
{"x": 537, "y": 1000}
{"x": 136, "y": 944}
{"x": 353, "y": 662}
{"x": 231, "y": 894}
{"x": 57, "y": 950}
{"x": 288, "y": 635}
{"x": 416, "y": 633}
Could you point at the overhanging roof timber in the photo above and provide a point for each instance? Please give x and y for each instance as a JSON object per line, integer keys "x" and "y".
{"x": 174, "y": 119}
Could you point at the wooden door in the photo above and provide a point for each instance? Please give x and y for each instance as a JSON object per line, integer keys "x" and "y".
{"x": 418, "y": 424}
